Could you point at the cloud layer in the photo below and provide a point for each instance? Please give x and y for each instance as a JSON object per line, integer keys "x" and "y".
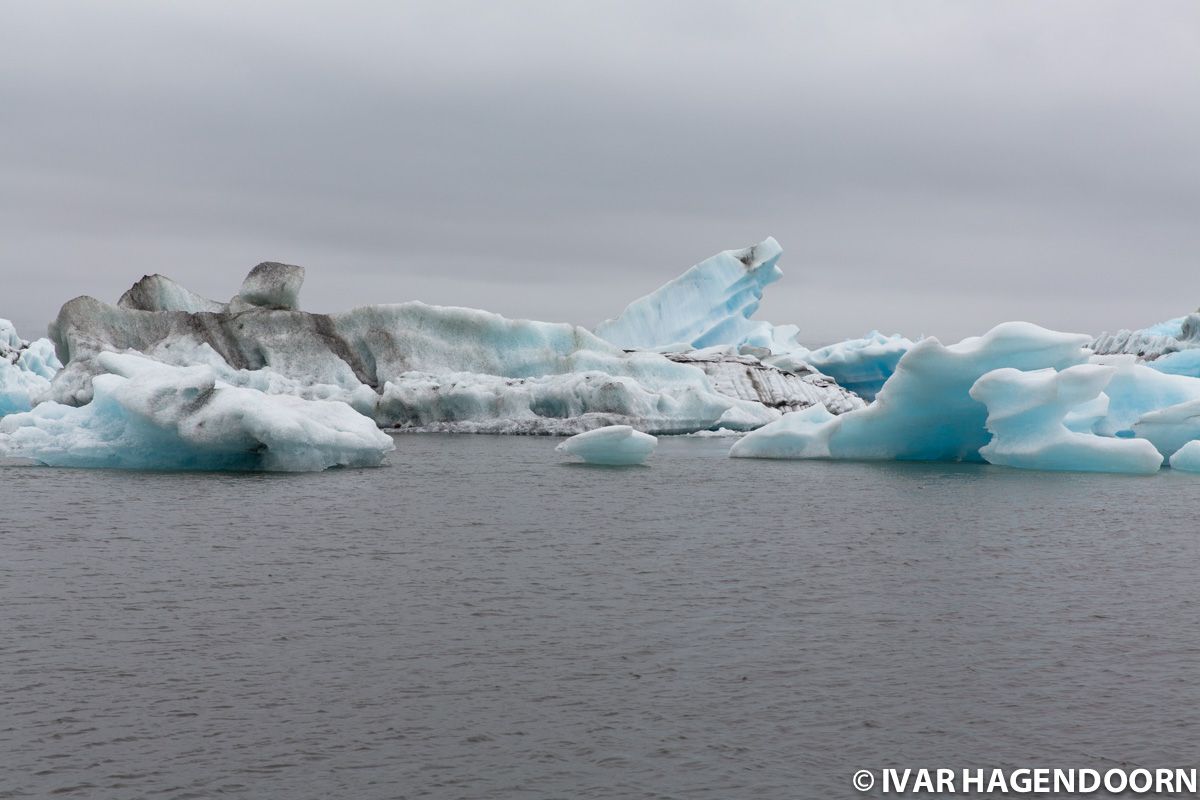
{"x": 929, "y": 167}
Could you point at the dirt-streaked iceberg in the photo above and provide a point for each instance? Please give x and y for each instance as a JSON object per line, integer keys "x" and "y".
{"x": 416, "y": 366}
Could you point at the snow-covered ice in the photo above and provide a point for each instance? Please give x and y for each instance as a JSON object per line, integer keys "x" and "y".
{"x": 148, "y": 415}
{"x": 1026, "y": 414}
{"x": 925, "y": 411}
{"x": 612, "y": 445}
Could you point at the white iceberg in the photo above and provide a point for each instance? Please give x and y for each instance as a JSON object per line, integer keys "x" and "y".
{"x": 1027, "y": 412}
{"x": 925, "y": 411}
{"x": 613, "y": 445}
{"x": 1187, "y": 458}
{"x": 147, "y": 415}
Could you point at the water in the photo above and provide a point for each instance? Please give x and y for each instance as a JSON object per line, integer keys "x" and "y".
{"x": 481, "y": 620}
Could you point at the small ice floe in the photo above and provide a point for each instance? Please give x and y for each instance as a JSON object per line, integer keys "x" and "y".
{"x": 614, "y": 445}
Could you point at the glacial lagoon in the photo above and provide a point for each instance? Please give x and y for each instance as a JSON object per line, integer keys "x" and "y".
{"x": 482, "y": 619}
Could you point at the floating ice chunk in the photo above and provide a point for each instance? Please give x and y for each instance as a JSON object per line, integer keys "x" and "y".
{"x": 861, "y": 365}
{"x": 710, "y": 304}
{"x": 1187, "y": 458}
{"x": 160, "y": 293}
{"x": 1026, "y": 414}
{"x": 924, "y": 412}
{"x": 147, "y": 415}
{"x": 614, "y": 445}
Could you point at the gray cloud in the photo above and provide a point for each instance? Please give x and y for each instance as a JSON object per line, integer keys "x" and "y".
{"x": 930, "y": 167}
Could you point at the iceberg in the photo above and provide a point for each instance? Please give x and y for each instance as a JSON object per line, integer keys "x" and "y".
{"x": 1187, "y": 458}
{"x": 147, "y": 415}
{"x": 26, "y": 369}
{"x": 615, "y": 445}
{"x": 709, "y": 304}
{"x": 420, "y": 367}
{"x": 925, "y": 411}
{"x": 1027, "y": 413}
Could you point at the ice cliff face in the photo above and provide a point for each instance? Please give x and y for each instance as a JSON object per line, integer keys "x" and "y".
{"x": 416, "y": 366}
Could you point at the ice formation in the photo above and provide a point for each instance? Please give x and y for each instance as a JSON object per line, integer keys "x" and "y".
{"x": 1170, "y": 429}
{"x": 1153, "y": 342}
{"x": 270, "y": 285}
{"x": 160, "y": 293}
{"x": 1180, "y": 362}
{"x": 860, "y": 365}
{"x": 148, "y": 415}
{"x": 710, "y": 304}
{"x": 1187, "y": 458}
{"x": 416, "y": 366}
{"x": 612, "y": 445}
{"x": 789, "y": 389}
{"x": 1027, "y": 416}
{"x": 1137, "y": 390}
{"x": 25, "y": 370}
{"x": 925, "y": 411}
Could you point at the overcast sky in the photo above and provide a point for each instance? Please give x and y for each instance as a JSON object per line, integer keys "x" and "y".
{"x": 929, "y": 167}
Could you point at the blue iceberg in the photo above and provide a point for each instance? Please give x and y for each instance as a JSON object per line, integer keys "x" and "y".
{"x": 1027, "y": 415}
{"x": 925, "y": 411}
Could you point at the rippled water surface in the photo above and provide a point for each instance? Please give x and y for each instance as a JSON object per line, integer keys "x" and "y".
{"x": 481, "y": 620}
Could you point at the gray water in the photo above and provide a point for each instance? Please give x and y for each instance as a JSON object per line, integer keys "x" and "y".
{"x": 481, "y": 620}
